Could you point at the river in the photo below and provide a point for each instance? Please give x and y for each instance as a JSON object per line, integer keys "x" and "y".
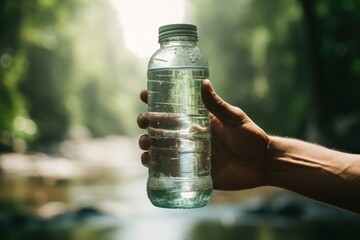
{"x": 111, "y": 203}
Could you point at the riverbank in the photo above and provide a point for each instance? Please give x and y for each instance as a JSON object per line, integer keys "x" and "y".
{"x": 95, "y": 189}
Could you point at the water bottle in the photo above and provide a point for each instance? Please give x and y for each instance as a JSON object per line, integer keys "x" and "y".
{"x": 179, "y": 171}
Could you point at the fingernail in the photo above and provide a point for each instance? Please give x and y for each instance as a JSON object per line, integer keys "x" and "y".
{"x": 139, "y": 116}
{"x": 210, "y": 85}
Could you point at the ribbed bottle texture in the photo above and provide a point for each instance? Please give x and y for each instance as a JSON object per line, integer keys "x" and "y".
{"x": 179, "y": 171}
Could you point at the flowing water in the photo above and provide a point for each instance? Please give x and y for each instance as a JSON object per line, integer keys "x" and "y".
{"x": 121, "y": 210}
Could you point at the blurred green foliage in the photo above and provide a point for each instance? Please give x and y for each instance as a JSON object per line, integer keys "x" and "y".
{"x": 257, "y": 54}
{"x": 293, "y": 66}
{"x": 63, "y": 65}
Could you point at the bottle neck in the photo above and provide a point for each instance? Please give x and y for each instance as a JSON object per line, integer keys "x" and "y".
{"x": 190, "y": 41}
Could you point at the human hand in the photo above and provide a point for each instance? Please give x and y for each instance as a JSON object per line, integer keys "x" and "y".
{"x": 238, "y": 146}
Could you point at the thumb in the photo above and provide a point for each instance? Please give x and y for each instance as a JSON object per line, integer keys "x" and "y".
{"x": 229, "y": 115}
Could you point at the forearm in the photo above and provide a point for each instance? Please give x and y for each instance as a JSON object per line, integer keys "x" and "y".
{"x": 322, "y": 174}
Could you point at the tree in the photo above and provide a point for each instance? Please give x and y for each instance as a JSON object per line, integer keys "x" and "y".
{"x": 63, "y": 64}
{"x": 334, "y": 57}
{"x": 293, "y": 66}
{"x": 257, "y": 59}
{"x": 12, "y": 67}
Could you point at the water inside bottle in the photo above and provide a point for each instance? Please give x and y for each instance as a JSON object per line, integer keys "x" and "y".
{"x": 179, "y": 172}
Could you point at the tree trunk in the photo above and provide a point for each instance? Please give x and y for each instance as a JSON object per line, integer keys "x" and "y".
{"x": 318, "y": 96}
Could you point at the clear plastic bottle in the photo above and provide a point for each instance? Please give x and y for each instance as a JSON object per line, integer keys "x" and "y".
{"x": 179, "y": 171}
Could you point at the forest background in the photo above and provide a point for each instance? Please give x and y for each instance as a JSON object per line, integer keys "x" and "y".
{"x": 292, "y": 66}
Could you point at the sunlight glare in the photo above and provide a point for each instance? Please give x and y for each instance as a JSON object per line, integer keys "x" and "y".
{"x": 140, "y": 20}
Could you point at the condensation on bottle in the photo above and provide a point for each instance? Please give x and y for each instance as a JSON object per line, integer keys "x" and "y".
{"x": 179, "y": 171}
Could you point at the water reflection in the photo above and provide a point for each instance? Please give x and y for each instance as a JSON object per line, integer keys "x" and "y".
{"x": 282, "y": 217}
{"x": 103, "y": 206}
{"x": 285, "y": 216}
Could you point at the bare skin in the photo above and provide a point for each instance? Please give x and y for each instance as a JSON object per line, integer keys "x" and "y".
{"x": 244, "y": 156}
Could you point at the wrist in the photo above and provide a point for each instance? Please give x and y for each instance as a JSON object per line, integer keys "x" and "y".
{"x": 286, "y": 164}
{"x": 273, "y": 153}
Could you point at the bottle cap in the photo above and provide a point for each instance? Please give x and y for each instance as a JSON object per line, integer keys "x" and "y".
{"x": 178, "y": 30}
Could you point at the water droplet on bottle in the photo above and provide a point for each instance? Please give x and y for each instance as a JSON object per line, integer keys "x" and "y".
{"x": 192, "y": 58}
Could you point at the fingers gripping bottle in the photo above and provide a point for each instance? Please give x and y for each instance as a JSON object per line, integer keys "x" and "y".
{"x": 179, "y": 171}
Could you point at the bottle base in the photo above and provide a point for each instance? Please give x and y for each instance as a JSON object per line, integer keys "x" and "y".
{"x": 181, "y": 194}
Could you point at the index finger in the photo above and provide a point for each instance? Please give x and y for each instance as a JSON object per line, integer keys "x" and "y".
{"x": 144, "y": 96}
